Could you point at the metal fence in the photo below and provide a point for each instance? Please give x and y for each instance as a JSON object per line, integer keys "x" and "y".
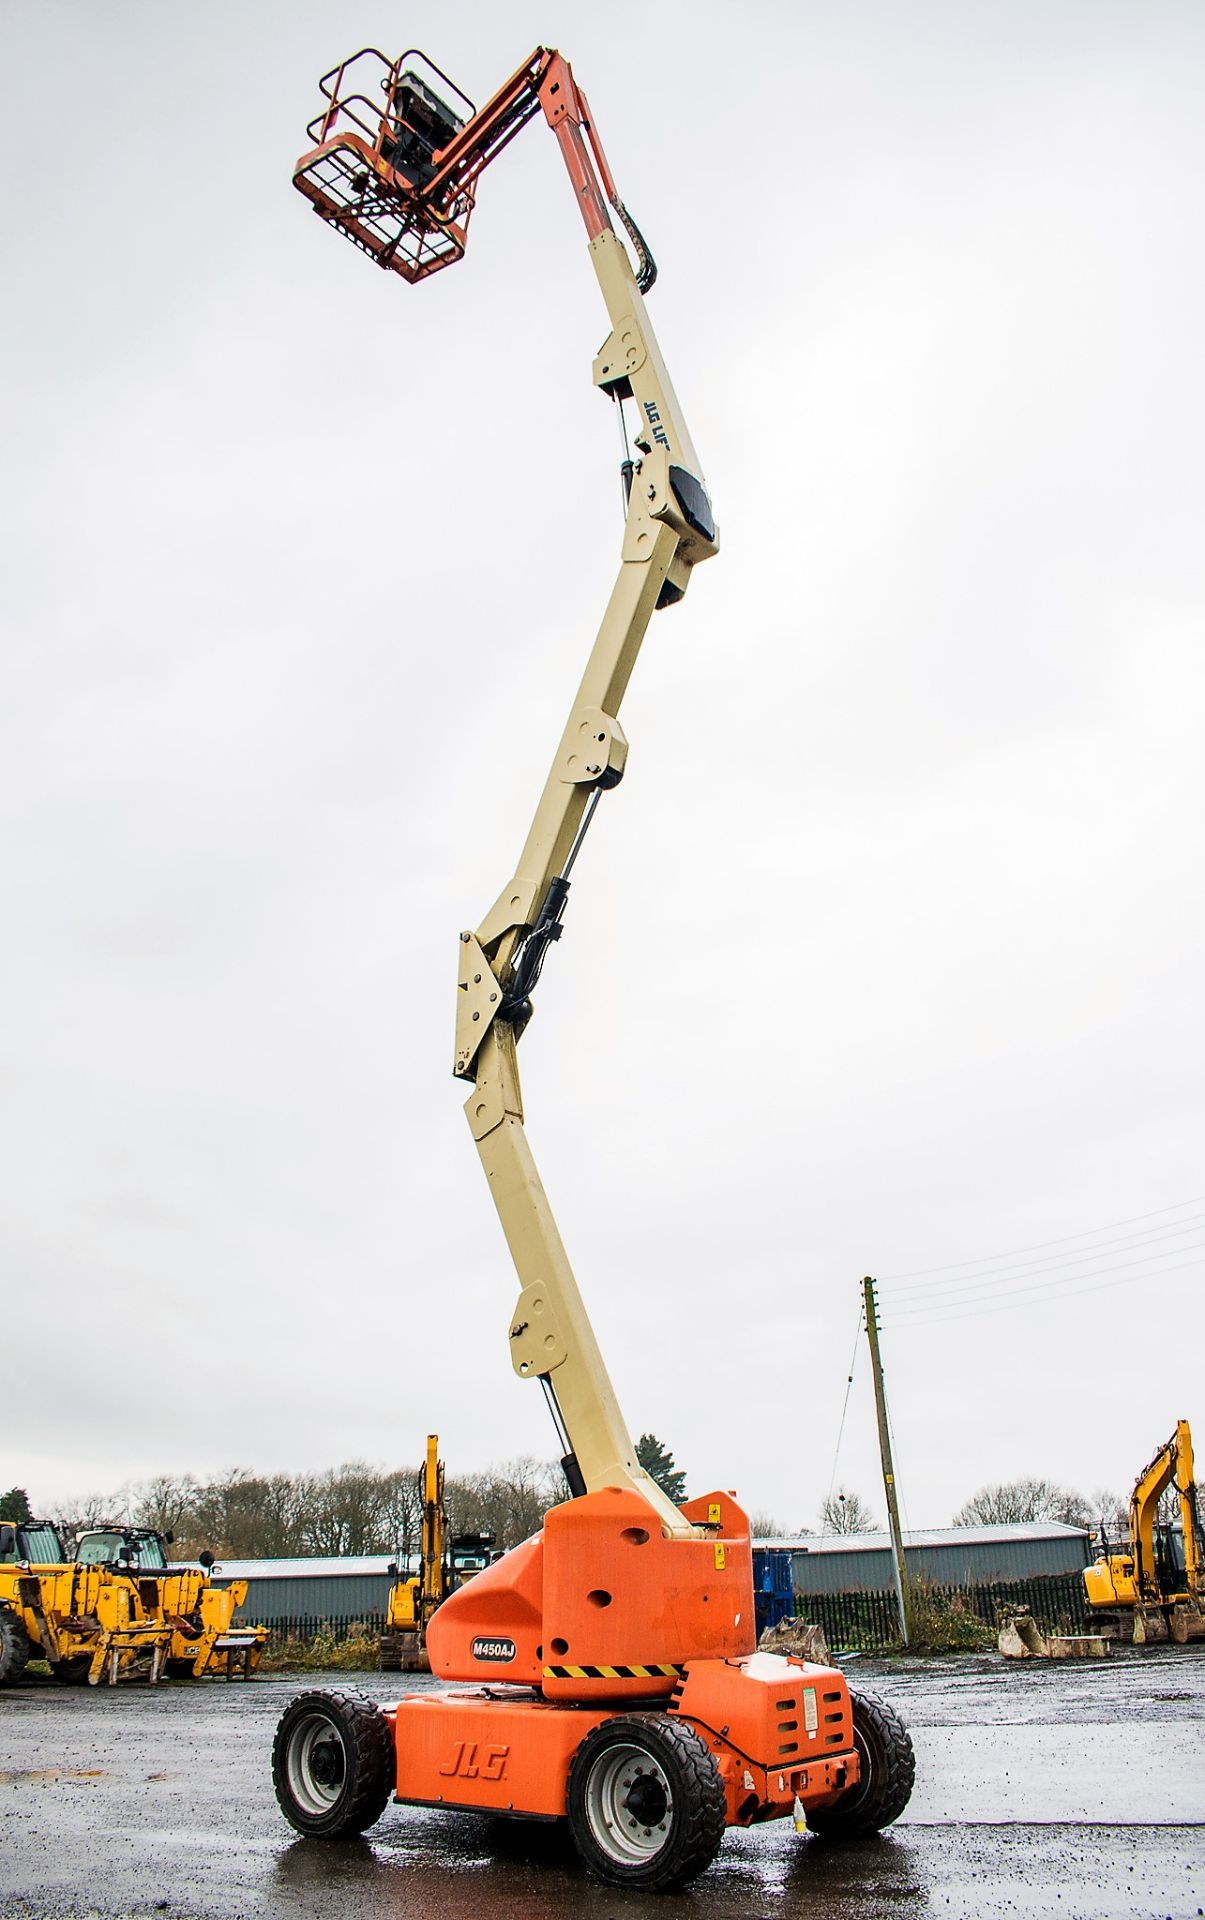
{"x": 307, "y": 1626}
{"x": 868, "y": 1621}
{"x": 853, "y": 1620}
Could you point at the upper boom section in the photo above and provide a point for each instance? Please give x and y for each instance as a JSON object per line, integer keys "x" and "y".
{"x": 398, "y": 176}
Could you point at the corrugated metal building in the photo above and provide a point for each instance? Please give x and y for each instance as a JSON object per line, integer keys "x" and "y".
{"x": 302, "y": 1596}
{"x": 942, "y": 1556}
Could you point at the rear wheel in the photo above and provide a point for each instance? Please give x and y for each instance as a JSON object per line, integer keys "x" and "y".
{"x": 14, "y": 1648}
{"x": 646, "y": 1802}
{"x": 332, "y": 1764}
{"x": 888, "y": 1769}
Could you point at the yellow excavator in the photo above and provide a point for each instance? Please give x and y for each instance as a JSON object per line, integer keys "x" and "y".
{"x": 1154, "y": 1589}
{"x": 445, "y": 1563}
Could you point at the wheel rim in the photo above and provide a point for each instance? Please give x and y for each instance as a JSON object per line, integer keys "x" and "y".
{"x": 629, "y": 1804}
{"x": 316, "y": 1763}
{"x": 865, "y": 1767}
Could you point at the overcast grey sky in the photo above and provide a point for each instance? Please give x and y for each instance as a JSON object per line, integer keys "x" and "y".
{"x": 886, "y": 956}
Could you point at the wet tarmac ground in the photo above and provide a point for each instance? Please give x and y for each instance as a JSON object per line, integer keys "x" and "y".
{"x": 1070, "y": 1790}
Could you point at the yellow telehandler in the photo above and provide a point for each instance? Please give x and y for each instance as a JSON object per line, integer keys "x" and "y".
{"x": 115, "y": 1609}
{"x": 204, "y": 1639}
{"x": 87, "y": 1624}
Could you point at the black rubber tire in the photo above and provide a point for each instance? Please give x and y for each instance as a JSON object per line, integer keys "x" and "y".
{"x": 665, "y": 1760}
{"x": 74, "y": 1671}
{"x": 888, "y": 1772}
{"x": 14, "y": 1648}
{"x": 332, "y": 1764}
{"x": 177, "y": 1669}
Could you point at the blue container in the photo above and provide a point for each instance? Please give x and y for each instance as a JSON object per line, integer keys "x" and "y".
{"x": 773, "y": 1586}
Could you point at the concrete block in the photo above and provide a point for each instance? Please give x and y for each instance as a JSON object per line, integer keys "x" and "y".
{"x": 806, "y": 1642}
{"x": 1019, "y": 1639}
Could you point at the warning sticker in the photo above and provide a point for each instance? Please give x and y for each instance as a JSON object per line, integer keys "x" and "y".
{"x": 810, "y": 1716}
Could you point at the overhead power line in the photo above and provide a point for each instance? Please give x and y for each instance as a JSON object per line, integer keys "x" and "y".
{"x": 1039, "y": 1246}
{"x": 926, "y": 1316}
{"x": 929, "y": 1292}
{"x": 849, "y": 1380}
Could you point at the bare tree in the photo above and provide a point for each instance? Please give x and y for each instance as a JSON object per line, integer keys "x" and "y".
{"x": 763, "y": 1526}
{"x": 402, "y": 1511}
{"x": 846, "y": 1512}
{"x": 85, "y": 1510}
{"x": 508, "y": 1501}
{"x": 1110, "y": 1515}
{"x": 348, "y": 1511}
{"x": 1013, "y": 1502}
{"x": 165, "y": 1502}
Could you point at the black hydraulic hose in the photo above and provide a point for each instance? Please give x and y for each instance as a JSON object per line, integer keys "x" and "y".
{"x": 646, "y": 266}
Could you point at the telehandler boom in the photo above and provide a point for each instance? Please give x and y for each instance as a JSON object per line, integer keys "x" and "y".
{"x": 607, "y": 1667}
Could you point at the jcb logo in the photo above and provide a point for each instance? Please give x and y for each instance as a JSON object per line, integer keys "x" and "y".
{"x": 472, "y": 1761}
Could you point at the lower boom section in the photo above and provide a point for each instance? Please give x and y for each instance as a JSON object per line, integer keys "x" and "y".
{"x": 648, "y": 1789}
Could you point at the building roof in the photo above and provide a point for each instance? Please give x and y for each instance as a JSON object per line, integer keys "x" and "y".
{"x": 929, "y": 1537}
{"x": 314, "y": 1569}
{"x": 336, "y": 1567}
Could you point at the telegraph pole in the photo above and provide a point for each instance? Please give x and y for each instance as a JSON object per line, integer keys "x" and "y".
{"x": 880, "y": 1405}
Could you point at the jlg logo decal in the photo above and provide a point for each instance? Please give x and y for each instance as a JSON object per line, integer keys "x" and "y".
{"x": 475, "y": 1762}
{"x": 654, "y": 419}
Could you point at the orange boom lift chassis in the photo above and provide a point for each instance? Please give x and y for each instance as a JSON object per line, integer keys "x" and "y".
{"x": 606, "y": 1668}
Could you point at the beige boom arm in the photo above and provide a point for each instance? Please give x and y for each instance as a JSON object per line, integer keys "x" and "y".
{"x": 668, "y": 531}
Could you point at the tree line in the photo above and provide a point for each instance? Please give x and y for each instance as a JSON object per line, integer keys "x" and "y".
{"x": 1002, "y": 1503}
{"x": 361, "y": 1509}
{"x": 348, "y": 1510}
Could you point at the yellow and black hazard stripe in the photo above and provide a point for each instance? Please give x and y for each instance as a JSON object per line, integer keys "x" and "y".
{"x": 614, "y": 1673}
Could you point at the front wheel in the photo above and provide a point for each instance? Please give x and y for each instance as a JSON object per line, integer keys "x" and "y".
{"x": 332, "y": 1764}
{"x": 888, "y": 1769}
{"x": 646, "y": 1802}
{"x": 14, "y": 1647}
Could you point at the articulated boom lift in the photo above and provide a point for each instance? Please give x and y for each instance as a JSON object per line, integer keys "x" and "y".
{"x": 610, "y": 1661}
